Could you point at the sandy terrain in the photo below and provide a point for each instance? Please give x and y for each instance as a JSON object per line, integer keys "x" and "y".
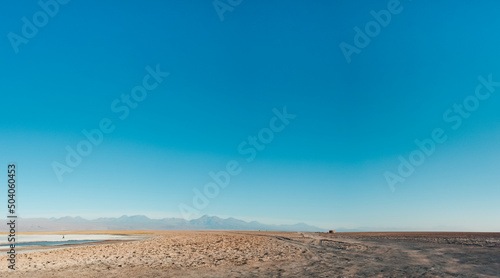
{"x": 271, "y": 254}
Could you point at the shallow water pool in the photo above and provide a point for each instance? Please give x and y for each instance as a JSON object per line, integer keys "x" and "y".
{"x": 49, "y": 243}
{"x": 83, "y": 238}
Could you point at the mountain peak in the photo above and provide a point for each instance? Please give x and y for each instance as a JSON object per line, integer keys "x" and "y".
{"x": 142, "y": 222}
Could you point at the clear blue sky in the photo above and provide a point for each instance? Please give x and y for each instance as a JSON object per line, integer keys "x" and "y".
{"x": 326, "y": 167}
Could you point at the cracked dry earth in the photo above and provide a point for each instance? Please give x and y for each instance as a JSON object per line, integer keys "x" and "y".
{"x": 272, "y": 254}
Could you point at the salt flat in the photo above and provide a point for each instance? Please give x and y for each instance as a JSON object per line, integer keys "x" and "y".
{"x": 272, "y": 254}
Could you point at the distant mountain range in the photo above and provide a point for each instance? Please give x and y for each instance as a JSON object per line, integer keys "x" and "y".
{"x": 141, "y": 222}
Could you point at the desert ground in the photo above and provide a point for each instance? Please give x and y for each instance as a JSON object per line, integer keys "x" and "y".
{"x": 269, "y": 254}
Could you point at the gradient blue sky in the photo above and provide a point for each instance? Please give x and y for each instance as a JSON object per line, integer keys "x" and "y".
{"x": 325, "y": 168}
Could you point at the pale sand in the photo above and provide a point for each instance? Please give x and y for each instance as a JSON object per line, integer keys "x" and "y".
{"x": 270, "y": 254}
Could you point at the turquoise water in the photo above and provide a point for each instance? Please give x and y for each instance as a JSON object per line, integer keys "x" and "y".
{"x": 50, "y": 243}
